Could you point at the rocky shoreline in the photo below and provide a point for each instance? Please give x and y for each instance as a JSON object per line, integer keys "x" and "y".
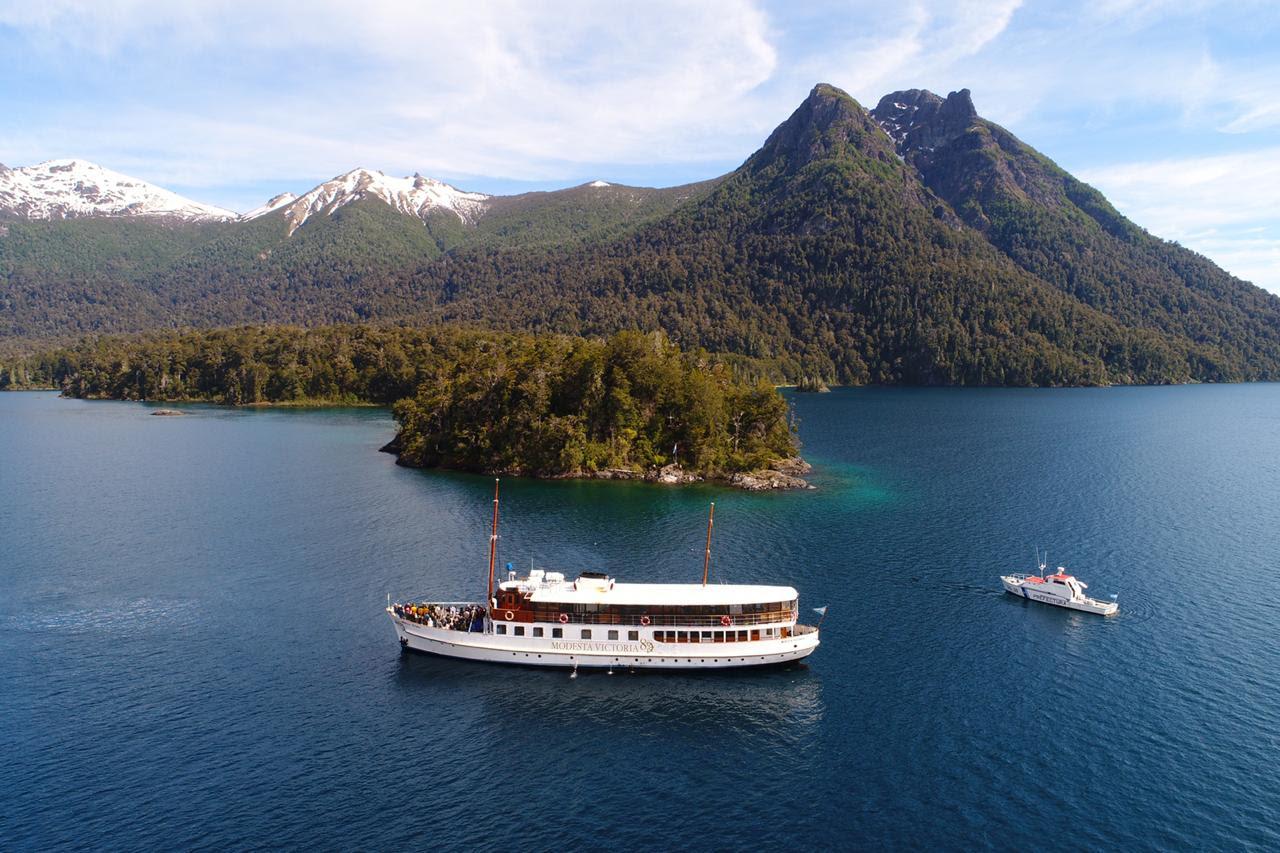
{"x": 780, "y": 474}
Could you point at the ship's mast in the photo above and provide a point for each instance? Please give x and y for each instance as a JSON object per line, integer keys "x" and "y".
{"x": 493, "y": 546}
{"x": 706, "y": 560}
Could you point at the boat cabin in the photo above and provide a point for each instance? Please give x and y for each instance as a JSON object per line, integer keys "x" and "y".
{"x": 719, "y": 612}
{"x": 1061, "y": 584}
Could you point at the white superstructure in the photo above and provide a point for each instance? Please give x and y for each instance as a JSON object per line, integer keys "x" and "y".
{"x": 1060, "y": 589}
{"x": 546, "y": 619}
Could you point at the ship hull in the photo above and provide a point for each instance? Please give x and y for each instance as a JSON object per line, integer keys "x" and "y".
{"x": 642, "y": 654}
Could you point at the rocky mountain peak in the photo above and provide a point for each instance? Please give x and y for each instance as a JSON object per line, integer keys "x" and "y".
{"x": 920, "y": 121}
{"x": 827, "y": 120}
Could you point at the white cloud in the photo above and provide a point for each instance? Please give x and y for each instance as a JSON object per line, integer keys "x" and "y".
{"x": 1222, "y": 206}
{"x": 228, "y": 94}
{"x": 502, "y": 89}
{"x": 1187, "y": 195}
{"x": 908, "y": 45}
{"x": 222, "y": 92}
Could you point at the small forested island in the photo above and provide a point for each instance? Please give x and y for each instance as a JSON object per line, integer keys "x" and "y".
{"x": 812, "y": 385}
{"x": 630, "y": 406}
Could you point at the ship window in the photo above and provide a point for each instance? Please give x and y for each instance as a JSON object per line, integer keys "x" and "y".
{"x": 613, "y": 635}
{"x": 633, "y": 635}
{"x": 502, "y": 629}
{"x": 755, "y": 635}
{"x": 586, "y": 633}
{"x": 519, "y": 631}
{"x": 768, "y": 632}
{"x": 682, "y": 636}
{"x": 556, "y": 633}
{"x": 742, "y": 636}
{"x": 537, "y": 632}
{"x": 706, "y": 636}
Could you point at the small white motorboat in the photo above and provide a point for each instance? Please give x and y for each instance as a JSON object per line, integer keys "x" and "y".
{"x": 1061, "y": 589}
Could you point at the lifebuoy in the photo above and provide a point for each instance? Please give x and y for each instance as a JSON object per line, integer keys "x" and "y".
{"x": 564, "y": 618}
{"x": 644, "y": 620}
{"x": 509, "y": 615}
{"x": 726, "y": 621}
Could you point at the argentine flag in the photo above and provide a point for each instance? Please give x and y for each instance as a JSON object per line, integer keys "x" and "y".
{"x": 821, "y": 611}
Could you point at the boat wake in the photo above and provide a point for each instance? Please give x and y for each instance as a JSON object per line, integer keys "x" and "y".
{"x": 126, "y": 617}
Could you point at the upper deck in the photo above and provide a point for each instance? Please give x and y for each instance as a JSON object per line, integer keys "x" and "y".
{"x": 543, "y": 587}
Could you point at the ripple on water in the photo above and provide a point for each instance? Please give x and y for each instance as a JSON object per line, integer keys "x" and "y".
{"x": 193, "y": 652}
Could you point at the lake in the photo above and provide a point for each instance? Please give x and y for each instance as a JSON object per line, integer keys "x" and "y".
{"x": 193, "y": 652}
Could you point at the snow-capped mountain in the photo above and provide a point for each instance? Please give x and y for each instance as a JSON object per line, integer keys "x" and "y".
{"x": 416, "y": 196}
{"x": 276, "y": 203}
{"x": 60, "y": 189}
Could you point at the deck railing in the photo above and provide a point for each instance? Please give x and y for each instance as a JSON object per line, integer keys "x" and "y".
{"x": 656, "y": 620}
{"x": 736, "y": 620}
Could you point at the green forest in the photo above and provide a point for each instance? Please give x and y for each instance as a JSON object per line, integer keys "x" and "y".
{"x": 827, "y": 255}
{"x": 544, "y": 405}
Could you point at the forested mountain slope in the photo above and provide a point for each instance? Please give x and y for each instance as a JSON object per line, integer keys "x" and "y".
{"x": 1067, "y": 234}
{"x": 916, "y": 243}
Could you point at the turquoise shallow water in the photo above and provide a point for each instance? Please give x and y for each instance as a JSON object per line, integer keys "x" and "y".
{"x": 193, "y": 654}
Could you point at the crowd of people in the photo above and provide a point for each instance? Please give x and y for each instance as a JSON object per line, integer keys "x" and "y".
{"x": 469, "y": 617}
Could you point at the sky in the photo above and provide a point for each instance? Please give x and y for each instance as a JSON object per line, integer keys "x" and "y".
{"x": 1170, "y": 107}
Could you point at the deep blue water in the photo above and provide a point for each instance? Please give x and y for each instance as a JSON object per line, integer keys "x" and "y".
{"x": 193, "y": 652}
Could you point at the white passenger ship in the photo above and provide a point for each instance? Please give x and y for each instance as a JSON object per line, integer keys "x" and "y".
{"x": 546, "y": 619}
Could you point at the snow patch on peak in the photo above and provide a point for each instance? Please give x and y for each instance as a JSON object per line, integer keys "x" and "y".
{"x": 599, "y": 184}
{"x": 415, "y": 196}
{"x": 918, "y": 120}
{"x": 65, "y": 188}
{"x": 273, "y": 204}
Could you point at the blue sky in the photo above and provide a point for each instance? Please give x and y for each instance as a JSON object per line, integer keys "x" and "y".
{"x": 1170, "y": 108}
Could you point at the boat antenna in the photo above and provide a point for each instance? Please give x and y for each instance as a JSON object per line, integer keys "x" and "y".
{"x": 493, "y": 544}
{"x": 706, "y": 560}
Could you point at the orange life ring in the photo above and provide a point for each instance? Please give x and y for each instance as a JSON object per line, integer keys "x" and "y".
{"x": 509, "y": 615}
{"x": 644, "y": 620}
{"x": 564, "y": 618}
{"x": 726, "y": 621}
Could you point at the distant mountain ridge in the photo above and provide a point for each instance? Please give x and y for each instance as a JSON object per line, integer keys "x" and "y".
{"x": 60, "y": 189}
{"x": 416, "y": 196}
{"x": 913, "y": 243}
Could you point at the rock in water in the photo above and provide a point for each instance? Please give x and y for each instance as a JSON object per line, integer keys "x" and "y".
{"x": 168, "y": 413}
{"x": 783, "y": 474}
